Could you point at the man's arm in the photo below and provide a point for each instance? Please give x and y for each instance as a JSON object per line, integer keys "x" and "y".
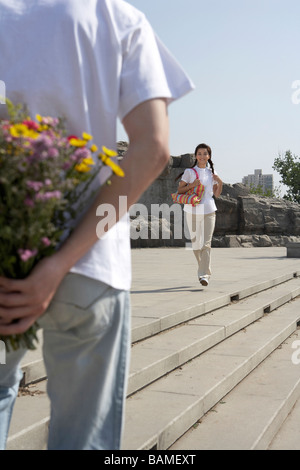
{"x": 148, "y": 153}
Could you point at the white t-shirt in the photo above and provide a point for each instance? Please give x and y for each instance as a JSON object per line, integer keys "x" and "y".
{"x": 207, "y": 204}
{"x": 91, "y": 61}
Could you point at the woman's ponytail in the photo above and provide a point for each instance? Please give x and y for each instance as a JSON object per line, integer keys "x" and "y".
{"x": 211, "y": 166}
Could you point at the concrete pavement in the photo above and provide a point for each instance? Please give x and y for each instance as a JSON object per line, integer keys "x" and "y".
{"x": 165, "y": 281}
{"x": 179, "y": 327}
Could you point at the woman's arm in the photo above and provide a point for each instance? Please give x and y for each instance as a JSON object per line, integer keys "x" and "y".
{"x": 184, "y": 187}
{"x": 217, "y": 189}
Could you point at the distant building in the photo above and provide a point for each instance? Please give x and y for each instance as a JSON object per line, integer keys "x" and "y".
{"x": 265, "y": 182}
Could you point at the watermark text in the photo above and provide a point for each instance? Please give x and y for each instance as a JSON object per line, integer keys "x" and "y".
{"x": 296, "y": 93}
{"x": 2, "y": 92}
{"x": 296, "y": 353}
{"x": 2, "y": 353}
{"x": 158, "y": 221}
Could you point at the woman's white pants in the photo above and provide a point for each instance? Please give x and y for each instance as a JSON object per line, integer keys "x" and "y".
{"x": 201, "y": 228}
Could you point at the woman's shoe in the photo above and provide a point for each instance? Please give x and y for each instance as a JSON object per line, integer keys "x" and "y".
{"x": 203, "y": 281}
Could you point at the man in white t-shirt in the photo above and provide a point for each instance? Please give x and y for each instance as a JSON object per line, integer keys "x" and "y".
{"x": 91, "y": 61}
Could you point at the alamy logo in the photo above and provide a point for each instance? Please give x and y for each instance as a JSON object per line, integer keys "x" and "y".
{"x": 2, "y": 353}
{"x": 296, "y": 354}
{"x": 2, "y": 92}
{"x": 296, "y": 93}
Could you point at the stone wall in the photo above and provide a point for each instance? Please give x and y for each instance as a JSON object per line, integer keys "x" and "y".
{"x": 243, "y": 219}
{"x": 249, "y": 220}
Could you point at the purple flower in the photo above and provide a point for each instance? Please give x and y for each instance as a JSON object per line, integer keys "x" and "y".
{"x": 43, "y": 141}
{"x": 25, "y": 255}
{"x": 53, "y": 153}
{"x": 67, "y": 165}
{"x": 48, "y": 195}
{"x": 28, "y": 202}
{"x": 80, "y": 154}
{"x": 41, "y": 147}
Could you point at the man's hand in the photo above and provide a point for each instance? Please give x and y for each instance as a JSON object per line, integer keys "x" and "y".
{"x": 22, "y": 302}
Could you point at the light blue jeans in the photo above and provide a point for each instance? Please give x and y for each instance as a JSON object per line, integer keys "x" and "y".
{"x": 86, "y": 352}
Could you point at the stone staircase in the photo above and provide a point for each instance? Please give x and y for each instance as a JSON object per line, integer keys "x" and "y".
{"x": 218, "y": 375}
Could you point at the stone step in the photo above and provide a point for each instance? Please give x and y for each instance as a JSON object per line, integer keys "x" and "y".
{"x": 288, "y": 436}
{"x": 166, "y": 290}
{"x": 181, "y": 308}
{"x": 29, "y": 426}
{"x": 33, "y": 365}
{"x": 149, "y": 363}
{"x": 161, "y": 413}
{"x": 156, "y": 356}
{"x": 251, "y": 414}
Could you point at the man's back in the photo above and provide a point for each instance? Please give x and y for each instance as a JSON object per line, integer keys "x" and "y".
{"x": 64, "y": 58}
{"x": 90, "y": 61}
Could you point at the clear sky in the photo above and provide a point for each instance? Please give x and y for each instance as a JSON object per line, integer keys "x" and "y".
{"x": 243, "y": 57}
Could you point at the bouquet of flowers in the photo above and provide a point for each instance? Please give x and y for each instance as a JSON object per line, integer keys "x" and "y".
{"x": 44, "y": 174}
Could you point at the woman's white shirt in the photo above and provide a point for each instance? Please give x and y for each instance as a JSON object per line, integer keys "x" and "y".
{"x": 207, "y": 204}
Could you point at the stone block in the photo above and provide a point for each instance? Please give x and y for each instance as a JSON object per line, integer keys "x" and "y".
{"x": 293, "y": 250}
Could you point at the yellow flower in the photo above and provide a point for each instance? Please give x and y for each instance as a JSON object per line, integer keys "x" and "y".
{"x": 85, "y": 165}
{"x": 88, "y": 161}
{"x": 109, "y": 152}
{"x": 94, "y": 148}
{"x": 18, "y": 130}
{"x": 86, "y": 136}
{"x": 77, "y": 142}
{"x": 107, "y": 161}
{"x": 21, "y": 130}
{"x": 43, "y": 127}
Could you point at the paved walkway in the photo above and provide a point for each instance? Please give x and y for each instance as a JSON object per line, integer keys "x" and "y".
{"x": 165, "y": 279}
{"x": 166, "y": 291}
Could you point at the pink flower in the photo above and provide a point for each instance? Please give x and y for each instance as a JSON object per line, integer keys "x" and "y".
{"x": 67, "y": 165}
{"x": 48, "y": 195}
{"x": 53, "y": 153}
{"x": 50, "y": 121}
{"x": 80, "y": 154}
{"x": 46, "y": 241}
{"x": 28, "y": 202}
{"x": 25, "y": 255}
{"x": 35, "y": 185}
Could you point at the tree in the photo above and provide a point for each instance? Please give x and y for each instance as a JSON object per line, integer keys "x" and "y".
{"x": 259, "y": 191}
{"x": 288, "y": 166}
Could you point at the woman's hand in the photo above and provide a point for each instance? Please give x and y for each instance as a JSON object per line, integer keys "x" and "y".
{"x": 185, "y": 187}
{"x": 196, "y": 183}
{"x": 23, "y": 301}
